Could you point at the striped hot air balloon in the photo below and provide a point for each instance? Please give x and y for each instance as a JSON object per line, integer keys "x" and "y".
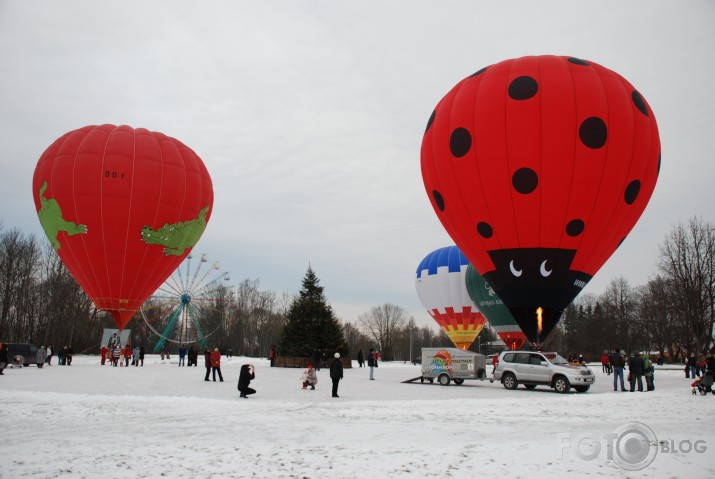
{"x": 441, "y": 287}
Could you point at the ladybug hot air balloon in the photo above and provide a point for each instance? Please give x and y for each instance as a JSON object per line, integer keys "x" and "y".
{"x": 122, "y": 207}
{"x": 538, "y": 168}
{"x": 442, "y": 291}
{"x": 498, "y": 315}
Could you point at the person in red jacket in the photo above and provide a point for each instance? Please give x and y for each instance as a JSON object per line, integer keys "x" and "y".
{"x": 216, "y": 364}
{"x": 103, "y": 353}
{"x": 605, "y": 363}
{"x": 127, "y": 354}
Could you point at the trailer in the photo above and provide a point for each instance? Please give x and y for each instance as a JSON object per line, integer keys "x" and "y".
{"x": 451, "y": 364}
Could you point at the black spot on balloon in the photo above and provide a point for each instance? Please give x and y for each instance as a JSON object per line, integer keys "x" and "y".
{"x": 523, "y": 88}
{"x": 639, "y": 102}
{"x": 478, "y": 72}
{"x": 485, "y": 230}
{"x": 593, "y": 132}
{"x": 578, "y": 61}
{"x": 659, "y": 163}
{"x": 525, "y": 180}
{"x": 574, "y": 227}
{"x": 438, "y": 199}
{"x": 632, "y": 191}
{"x": 460, "y": 142}
{"x": 431, "y": 119}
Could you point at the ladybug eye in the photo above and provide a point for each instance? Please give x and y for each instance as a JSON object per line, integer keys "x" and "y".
{"x": 544, "y": 272}
{"x": 514, "y": 271}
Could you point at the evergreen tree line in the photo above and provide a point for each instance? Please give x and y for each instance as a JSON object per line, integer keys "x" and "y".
{"x": 672, "y": 313}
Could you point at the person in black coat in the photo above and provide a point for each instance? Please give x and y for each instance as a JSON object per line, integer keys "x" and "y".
{"x": 361, "y": 358}
{"x": 317, "y": 358}
{"x": 248, "y": 372}
{"x": 3, "y": 357}
{"x": 336, "y": 373}
{"x": 635, "y": 371}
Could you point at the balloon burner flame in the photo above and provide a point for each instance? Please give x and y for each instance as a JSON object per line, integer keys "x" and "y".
{"x": 539, "y": 324}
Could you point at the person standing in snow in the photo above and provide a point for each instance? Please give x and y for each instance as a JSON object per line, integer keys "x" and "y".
{"x": 49, "y": 355}
{"x": 648, "y": 372}
{"x": 103, "y": 355}
{"x": 361, "y": 358}
{"x": 3, "y": 357}
{"x": 336, "y": 373}
{"x": 248, "y": 373}
{"x": 618, "y": 363}
{"x": 135, "y": 356}
{"x": 635, "y": 372}
{"x": 182, "y": 355}
{"x": 272, "y": 355}
{"x": 40, "y": 356}
{"x": 127, "y": 354}
{"x": 141, "y": 355}
{"x": 207, "y": 363}
{"x": 371, "y": 363}
{"x": 216, "y": 364}
{"x": 116, "y": 355}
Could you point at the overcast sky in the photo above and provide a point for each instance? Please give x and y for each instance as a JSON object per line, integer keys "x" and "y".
{"x": 309, "y": 116}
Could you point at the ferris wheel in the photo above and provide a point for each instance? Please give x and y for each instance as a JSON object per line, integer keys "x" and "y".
{"x": 191, "y": 304}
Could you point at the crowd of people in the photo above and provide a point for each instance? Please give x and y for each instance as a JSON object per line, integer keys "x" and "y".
{"x": 638, "y": 369}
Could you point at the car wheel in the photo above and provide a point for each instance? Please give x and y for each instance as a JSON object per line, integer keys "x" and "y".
{"x": 443, "y": 379}
{"x": 458, "y": 381}
{"x": 581, "y": 389}
{"x": 529, "y": 386}
{"x": 561, "y": 384}
{"x": 509, "y": 381}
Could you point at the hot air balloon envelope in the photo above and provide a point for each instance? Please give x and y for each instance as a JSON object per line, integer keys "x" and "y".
{"x": 538, "y": 168}
{"x": 492, "y": 307}
{"x": 442, "y": 291}
{"x": 122, "y": 207}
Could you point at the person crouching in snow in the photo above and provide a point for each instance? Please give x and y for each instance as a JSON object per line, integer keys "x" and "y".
{"x": 248, "y": 372}
{"x": 310, "y": 378}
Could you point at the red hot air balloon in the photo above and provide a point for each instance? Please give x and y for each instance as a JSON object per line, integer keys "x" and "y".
{"x": 122, "y": 207}
{"x": 538, "y": 167}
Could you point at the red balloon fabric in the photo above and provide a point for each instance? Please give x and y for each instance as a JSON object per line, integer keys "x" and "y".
{"x": 539, "y": 167}
{"x": 122, "y": 207}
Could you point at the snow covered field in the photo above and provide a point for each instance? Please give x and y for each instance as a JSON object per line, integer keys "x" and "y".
{"x": 92, "y": 421}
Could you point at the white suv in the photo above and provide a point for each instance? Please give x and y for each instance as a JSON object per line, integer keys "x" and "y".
{"x": 532, "y": 368}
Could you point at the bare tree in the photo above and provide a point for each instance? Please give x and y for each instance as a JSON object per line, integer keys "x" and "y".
{"x": 619, "y": 303}
{"x": 383, "y": 324}
{"x": 686, "y": 260}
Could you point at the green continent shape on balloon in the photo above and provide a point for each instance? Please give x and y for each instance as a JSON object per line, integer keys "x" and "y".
{"x": 51, "y": 219}
{"x": 178, "y": 236}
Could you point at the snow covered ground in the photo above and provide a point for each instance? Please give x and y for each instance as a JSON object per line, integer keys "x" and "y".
{"x": 92, "y": 421}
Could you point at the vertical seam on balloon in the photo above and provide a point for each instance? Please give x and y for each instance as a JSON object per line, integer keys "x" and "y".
{"x": 74, "y": 204}
{"x": 574, "y": 156}
{"x": 101, "y": 221}
{"x": 592, "y": 255}
{"x": 506, "y": 149}
{"x": 156, "y": 221}
{"x": 480, "y": 177}
{"x": 541, "y": 154}
{"x": 99, "y": 293}
{"x": 131, "y": 294}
